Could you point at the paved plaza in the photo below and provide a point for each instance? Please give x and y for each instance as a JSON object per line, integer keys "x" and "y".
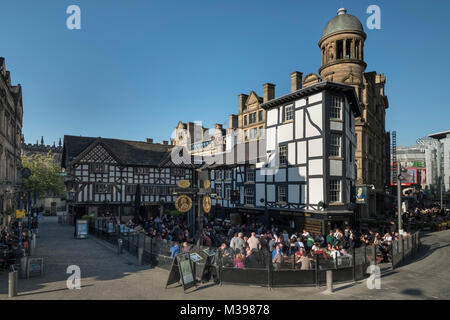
{"x": 106, "y": 275}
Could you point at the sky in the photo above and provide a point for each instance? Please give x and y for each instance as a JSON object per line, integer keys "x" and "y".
{"x": 137, "y": 67}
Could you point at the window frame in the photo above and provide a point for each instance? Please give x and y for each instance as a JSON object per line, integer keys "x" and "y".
{"x": 337, "y": 197}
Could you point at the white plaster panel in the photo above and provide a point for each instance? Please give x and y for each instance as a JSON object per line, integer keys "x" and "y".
{"x": 280, "y": 176}
{"x": 336, "y": 125}
{"x": 271, "y": 193}
{"x": 315, "y": 147}
{"x": 271, "y": 138}
{"x": 285, "y": 132}
{"x": 272, "y": 117}
{"x": 315, "y": 190}
{"x": 291, "y": 153}
{"x": 300, "y": 103}
{"x": 299, "y": 124}
{"x": 293, "y": 193}
{"x": 315, "y": 114}
{"x": 336, "y": 167}
{"x": 315, "y": 98}
{"x": 260, "y": 192}
{"x": 301, "y": 152}
{"x": 315, "y": 167}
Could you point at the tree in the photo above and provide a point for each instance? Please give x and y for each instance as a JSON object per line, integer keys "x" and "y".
{"x": 46, "y": 178}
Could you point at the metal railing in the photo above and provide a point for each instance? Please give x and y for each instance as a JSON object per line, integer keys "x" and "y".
{"x": 259, "y": 269}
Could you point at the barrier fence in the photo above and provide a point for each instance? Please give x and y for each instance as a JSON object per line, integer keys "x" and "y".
{"x": 258, "y": 268}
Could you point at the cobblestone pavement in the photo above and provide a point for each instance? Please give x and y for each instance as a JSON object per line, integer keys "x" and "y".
{"x": 106, "y": 275}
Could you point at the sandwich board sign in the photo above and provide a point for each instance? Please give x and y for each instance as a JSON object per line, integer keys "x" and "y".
{"x": 182, "y": 270}
{"x": 35, "y": 267}
{"x": 82, "y": 229}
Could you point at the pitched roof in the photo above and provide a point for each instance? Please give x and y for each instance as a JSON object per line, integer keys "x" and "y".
{"x": 128, "y": 152}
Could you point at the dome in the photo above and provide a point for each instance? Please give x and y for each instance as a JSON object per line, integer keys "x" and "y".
{"x": 342, "y": 22}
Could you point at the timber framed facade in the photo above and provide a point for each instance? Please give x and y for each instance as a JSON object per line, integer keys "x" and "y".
{"x": 102, "y": 175}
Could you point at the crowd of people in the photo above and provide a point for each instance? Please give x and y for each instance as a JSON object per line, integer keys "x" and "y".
{"x": 244, "y": 243}
{"x": 12, "y": 248}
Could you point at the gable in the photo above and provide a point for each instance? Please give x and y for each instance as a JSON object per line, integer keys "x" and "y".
{"x": 97, "y": 154}
{"x": 252, "y": 99}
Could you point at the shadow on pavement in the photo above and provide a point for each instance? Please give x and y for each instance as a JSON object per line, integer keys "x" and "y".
{"x": 60, "y": 250}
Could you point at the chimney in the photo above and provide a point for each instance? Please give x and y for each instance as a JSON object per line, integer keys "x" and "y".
{"x": 148, "y": 140}
{"x": 165, "y": 142}
{"x": 233, "y": 121}
{"x": 296, "y": 81}
{"x": 269, "y": 92}
{"x": 242, "y": 98}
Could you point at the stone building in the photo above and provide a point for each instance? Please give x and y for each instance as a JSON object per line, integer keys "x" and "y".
{"x": 342, "y": 60}
{"x": 11, "y": 112}
{"x": 41, "y": 148}
{"x": 49, "y": 202}
{"x": 198, "y": 140}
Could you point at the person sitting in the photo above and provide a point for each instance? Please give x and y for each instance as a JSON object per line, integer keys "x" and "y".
{"x": 239, "y": 261}
{"x": 174, "y": 250}
{"x": 250, "y": 260}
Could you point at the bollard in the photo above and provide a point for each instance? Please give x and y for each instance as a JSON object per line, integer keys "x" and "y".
{"x": 119, "y": 247}
{"x": 12, "y": 283}
{"x": 23, "y": 267}
{"x": 33, "y": 241}
{"x": 140, "y": 255}
{"x": 329, "y": 281}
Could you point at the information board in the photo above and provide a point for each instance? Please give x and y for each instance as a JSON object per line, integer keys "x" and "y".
{"x": 186, "y": 272}
{"x": 35, "y": 267}
{"x": 82, "y": 229}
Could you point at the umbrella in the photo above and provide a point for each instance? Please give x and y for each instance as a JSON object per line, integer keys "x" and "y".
{"x": 137, "y": 203}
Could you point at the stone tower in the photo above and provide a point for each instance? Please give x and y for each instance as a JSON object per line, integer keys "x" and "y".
{"x": 342, "y": 53}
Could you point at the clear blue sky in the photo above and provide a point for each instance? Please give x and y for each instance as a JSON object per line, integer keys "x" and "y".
{"x": 138, "y": 66}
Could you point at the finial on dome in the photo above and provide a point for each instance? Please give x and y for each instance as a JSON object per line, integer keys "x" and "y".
{"x": 342, "y": 11}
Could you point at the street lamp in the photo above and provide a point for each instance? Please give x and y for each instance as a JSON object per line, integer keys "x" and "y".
{"x": 400, "y": 178}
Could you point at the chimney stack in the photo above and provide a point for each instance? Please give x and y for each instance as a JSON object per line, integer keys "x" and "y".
{"x": 296, "y": 81}
{"x": 148, "y": 140}
{"x": 242, "y": 98}
{"x": 233, "y": 121}
{"x": 165, "y": 142}
{"x": 269, "y": 92}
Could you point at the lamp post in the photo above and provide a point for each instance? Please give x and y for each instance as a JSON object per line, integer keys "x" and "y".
{"x": 400, "y": 178}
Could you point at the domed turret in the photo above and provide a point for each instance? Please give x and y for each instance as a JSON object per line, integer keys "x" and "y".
{"x": 342, "y": 49}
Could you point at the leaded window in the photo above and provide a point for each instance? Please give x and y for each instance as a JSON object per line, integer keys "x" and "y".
{"x": 336, "y": 107}
{"x": 335, "y": 145}
{"x": 335, "y": 190}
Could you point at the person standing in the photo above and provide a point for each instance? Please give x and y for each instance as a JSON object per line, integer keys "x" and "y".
{"x": 253, "y": 242}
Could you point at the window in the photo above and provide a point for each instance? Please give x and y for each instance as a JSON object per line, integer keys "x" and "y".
{"x": 250, "y": 175}
{"x": 219, "y": 174}
{"x": 228, "y": 174}
{"x": 261, "y": 131}
{"x": 98, "y": 167}
{"x": 102, "y": 188}
{"x": 282, "y": 193}
{"x": 260, "y": 115}
{"x": 141, "y": 170}
{"x": 245, "y": 120}
{"x": 335, "y": 190}
{"x": 252, "y": 118}
{"x": 288, "y": 113}
{"x": 245, "y": 135}
{"x": 227, "y": 191}
{"x": 253, "y": 133}
{"x": 336, "y": 107}
{"x": 219, "y": 190}
{"x": 249, "y": 195}
{"x": 130, "y": 189}
{"x": 178, "y": 172}
{"x": 335, "y": 145}
{"x": 282, "y": 154}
